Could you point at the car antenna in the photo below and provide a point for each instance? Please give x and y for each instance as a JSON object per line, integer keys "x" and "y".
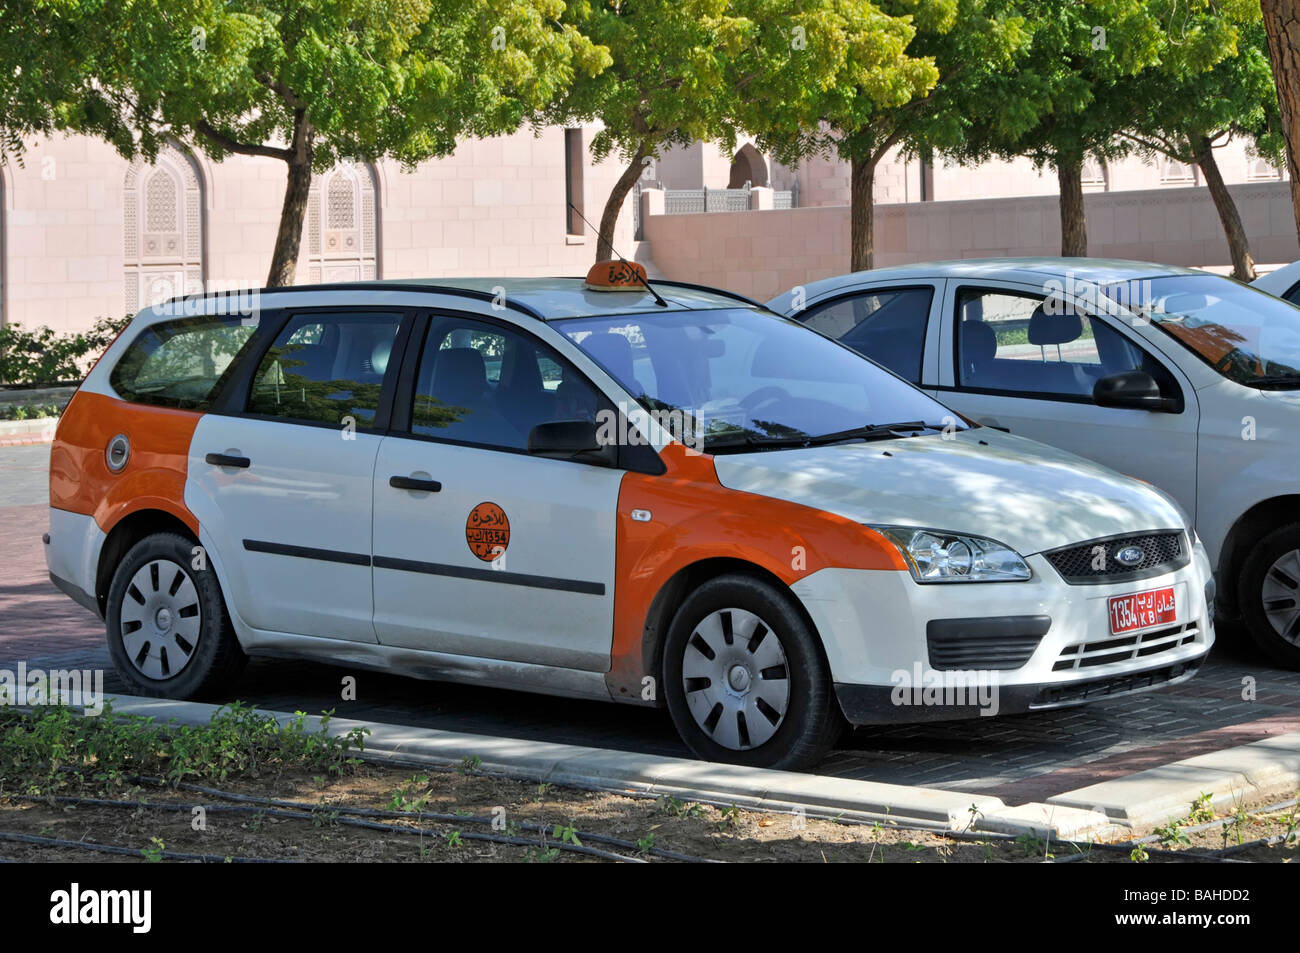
{"x": 639, "y": 277}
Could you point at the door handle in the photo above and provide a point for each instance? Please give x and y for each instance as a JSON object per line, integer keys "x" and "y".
{"x": 414, "y": 483}
{"x": 227, "y": 460}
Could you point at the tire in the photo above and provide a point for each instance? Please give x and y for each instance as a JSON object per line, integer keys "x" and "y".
{"x": 747, "y": 713}
{"x": 1268, "y": 592}
{"x": 168, "y": 630}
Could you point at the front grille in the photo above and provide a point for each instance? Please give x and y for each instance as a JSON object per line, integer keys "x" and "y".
{"x": 1096, "y": 562}
{"x": 1124, "y": 648}
{"x": 1076, "y": 692}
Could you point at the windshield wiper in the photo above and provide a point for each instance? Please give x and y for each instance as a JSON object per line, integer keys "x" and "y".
{"x": 875, "y": 432}
{"x": 756, "y": 441}
{"x": 1279, "y": 381}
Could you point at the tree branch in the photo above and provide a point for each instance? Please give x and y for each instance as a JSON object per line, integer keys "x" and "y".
{"x": 224, "y": 142}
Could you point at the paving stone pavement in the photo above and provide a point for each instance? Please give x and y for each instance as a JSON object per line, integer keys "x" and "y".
{"x": 1019, "y": 758}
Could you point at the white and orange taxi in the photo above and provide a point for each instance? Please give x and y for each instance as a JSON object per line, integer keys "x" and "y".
{"x": 596, "y": 488}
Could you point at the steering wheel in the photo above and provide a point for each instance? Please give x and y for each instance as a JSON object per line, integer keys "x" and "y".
{"x": 760, "y": 398}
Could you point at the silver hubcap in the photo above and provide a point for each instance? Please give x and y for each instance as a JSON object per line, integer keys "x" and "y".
{"x": 736, "y": 679}
{"x": 1281, "y": 596}
{"x": 160, "y": 619}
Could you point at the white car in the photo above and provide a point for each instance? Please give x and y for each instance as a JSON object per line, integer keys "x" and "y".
{"x": 1184, "y": 379}
{"x": 593, "y": 490}
{"x": 1284, "y": 283}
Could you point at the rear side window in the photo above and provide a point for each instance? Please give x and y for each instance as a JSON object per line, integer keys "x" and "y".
{"x": 326, "y": 368}
{"x": 181, "y": 363}
{"x": 887, "y": 325}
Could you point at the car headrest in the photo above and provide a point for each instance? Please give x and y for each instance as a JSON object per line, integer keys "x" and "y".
{"x": 380, "y": 355}
{"x": 613, "y": 351}
{"x": 979, "y": 342}
{"x": 1045, "y": 328}
{"x": 459, "y": 376}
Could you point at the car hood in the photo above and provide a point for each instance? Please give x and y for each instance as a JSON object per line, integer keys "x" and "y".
{"x": 980, "y": 482}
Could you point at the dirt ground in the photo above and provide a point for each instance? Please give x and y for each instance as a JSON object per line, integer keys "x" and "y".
{"x": 539, "y": 818}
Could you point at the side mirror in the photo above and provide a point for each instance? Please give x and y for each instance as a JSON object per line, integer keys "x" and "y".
{"x": 567, "y": 440}
{"x": 1134, "y": 390}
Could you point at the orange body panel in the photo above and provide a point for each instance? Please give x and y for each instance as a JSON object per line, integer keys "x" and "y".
{"x": 154, "y": 476}
{"x": 695, "y": 517}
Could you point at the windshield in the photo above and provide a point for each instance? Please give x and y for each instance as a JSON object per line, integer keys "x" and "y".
{"x": 1245, "y": 334}
{"x": 745, "y": 379}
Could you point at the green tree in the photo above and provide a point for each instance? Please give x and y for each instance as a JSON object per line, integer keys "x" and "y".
{"x": 1068, "y": 97}
{"x": 922, "y": 104}
{"x": 313, "y": 82}
{"x": 1185, "y": 112}
{"x": 688, "y": 70}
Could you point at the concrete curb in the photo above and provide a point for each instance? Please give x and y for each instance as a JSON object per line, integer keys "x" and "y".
{"x": 17, "y": 433}
{"x": 652, "y": 775}
{"x": 1153, "y": 797}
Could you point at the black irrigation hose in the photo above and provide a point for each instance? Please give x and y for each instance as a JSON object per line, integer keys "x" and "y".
{"x": 421, "y": 815}
{"x": 314, "y": 810}
{"x": 133, "y": 851}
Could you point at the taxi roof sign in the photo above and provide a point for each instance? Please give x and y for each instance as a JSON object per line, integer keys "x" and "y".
{"x": 616, "y": 276}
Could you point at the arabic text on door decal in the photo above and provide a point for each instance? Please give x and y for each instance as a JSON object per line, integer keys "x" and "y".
{"x": 487, "y": 531}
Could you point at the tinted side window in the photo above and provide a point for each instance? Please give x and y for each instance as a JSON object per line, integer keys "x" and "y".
{"x": 886, "y": 326}
{"x": 180, "y": 363}
{"x": 323, "y": 368}
{"x": 1027, "y": 344}
{"x": 486, "y": 385}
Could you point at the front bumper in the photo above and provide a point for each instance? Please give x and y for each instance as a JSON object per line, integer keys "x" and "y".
{"x": 1052, "y": 641}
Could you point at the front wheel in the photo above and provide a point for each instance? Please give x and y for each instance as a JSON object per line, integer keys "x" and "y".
{"x": 1269, "y": 595}
{"x": 745, "y": 678}
{"x": 169, "y": 634}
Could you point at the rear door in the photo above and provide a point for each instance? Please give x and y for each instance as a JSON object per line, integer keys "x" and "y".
{"x": 282, "y": 485}
{"x": 481, "y": 549}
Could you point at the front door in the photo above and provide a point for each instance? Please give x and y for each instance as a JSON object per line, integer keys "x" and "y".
{"x": 481, "y": 549}
{"x": 1028, "y": 365}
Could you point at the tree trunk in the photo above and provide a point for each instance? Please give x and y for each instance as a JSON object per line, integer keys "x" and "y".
{"x": 614, "y": 205}
{"x": 862, "y": 213}
{"x": 1282, "y": 24}
{"x": 288, "y": 239}
{"x": 1243, "y": 263}
{"x": 1074, "y": 220}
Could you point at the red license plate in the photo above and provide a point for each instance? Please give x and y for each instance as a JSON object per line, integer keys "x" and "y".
{"x": 1141, "y": 610}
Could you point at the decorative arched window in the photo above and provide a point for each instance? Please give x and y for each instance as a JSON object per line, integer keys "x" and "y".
{"x": 163, "y": 236}
{"x": 1093, "y": 175}
{"x": 1173, "y": 172}
{"x": 342, "y": 229}
{"x": 1261, "y": 170}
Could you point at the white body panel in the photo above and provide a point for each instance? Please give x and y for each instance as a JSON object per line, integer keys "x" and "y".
{"x": 73, "y": 551}
{"x": 306, "y": 487}
{"x": 520, "y": 606}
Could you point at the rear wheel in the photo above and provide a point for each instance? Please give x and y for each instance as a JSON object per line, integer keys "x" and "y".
{"x": 168, "y": 631}
{"x": 1269, "y": 595}
{"x": 745, "y": 678}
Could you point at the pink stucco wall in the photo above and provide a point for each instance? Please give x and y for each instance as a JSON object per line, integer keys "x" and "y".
{"x": 764, "y": 253}
{"x": 495, "y": 207}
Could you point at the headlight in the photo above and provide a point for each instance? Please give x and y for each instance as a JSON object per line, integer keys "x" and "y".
{"x": 935, "y": 556}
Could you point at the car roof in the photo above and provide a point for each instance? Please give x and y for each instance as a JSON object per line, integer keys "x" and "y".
{"x": 1030, "y": 270}
{"x": 547, "y": 299}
